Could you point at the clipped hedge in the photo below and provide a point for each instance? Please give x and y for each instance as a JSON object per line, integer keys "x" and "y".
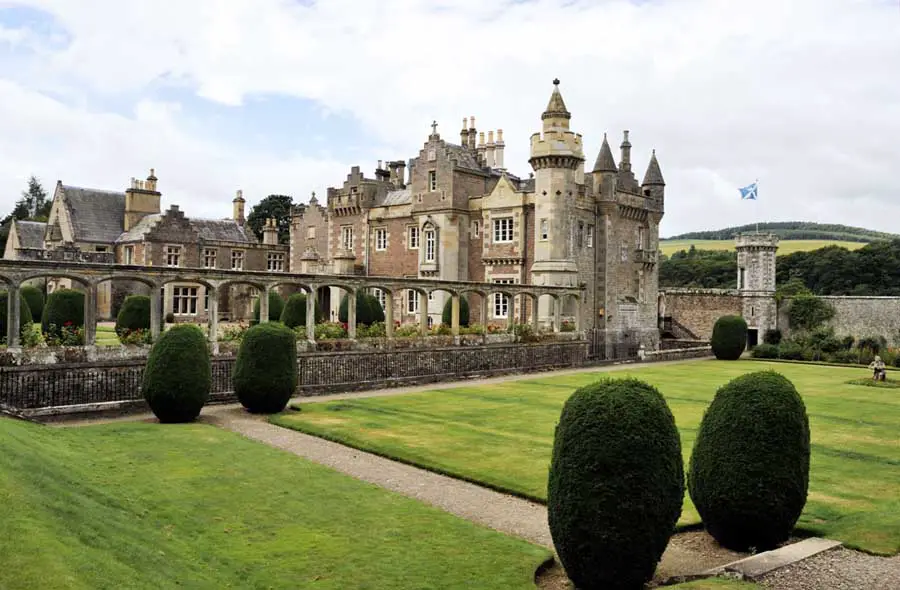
{"x": 178, "y": 375}
{"x": 294, "y": 313}
{"x": 276, "y": 306}
{"x": 749, "y": 470}
{"x": 447, "y": 315}
{"x": 616, "y": 483}
{"x": 368, "y": 310}
{"x": 265, "y": 371}
{"x": 64, "y": 307}
{"x": 134, "y": 315}
{"x": 35, "y": 299}
{"x": 729, "y": 337}
{"x": 764, "y": 351}
{"x": 24, "y": 314}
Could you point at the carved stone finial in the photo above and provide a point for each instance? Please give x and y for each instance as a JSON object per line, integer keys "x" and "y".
{"x": 556, "y": 81}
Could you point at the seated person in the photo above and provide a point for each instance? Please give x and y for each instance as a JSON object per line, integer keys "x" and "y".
{"x": 877, "y": 367}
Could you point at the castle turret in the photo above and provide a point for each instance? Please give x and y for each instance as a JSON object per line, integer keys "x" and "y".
{"x": 238, "y": 207}
{"x": 756, "y": 283}
{"x": 557, "y": 158}
{"x": 653, "y": 186}
{"x": 604, "y": 171}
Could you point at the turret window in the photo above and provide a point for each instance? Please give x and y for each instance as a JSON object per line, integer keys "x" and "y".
{"x": 503, "y": 230}
{"x": 579, "y": 235}
{"x": 545, "y": 229}
{"x": 589, "y": 237}
{"x": 432, "y": 181}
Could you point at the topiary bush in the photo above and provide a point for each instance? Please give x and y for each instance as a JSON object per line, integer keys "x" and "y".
{"x": 765, "y": 351}
{"x": 729, "y": 337}
{"x": 134, "y": 315}
{"x": 447, "y": 315}
{"x": 749, "y": 470}
{"x": 265, "y": 371}
{"x": 294, "y": 313}
{"x": 24, "y": 314}
{"x": 65, "y": 307}
{"x": 616, "y": 483}
{"x": 35, "y": 299}
{"x": 368, "y": 310}
{"x": 178, "y": 375}
{"x": 276, "y": 306}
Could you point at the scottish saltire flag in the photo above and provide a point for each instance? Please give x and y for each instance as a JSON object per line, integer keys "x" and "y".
{"x": 749, "y": 191}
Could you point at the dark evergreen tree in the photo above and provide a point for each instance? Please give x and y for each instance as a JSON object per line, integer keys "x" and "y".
{"x": 277, "y": 206}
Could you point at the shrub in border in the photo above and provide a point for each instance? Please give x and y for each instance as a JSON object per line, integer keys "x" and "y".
{"x": 178, "y": 375}
{"x": 265, "y": 371}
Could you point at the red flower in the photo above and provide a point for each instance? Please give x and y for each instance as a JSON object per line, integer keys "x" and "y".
{"x": 68, "y": 323}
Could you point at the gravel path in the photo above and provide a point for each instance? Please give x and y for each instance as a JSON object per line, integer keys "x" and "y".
{"x": 838, "y": 569}
{"x": 688, "y": 553}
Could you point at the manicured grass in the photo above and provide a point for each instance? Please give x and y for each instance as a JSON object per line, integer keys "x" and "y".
{"x": 669, "y": 247}
{"x": 106, "y": 336}
{"x": 502, "y": 434}
{"x": 192, "y": 506}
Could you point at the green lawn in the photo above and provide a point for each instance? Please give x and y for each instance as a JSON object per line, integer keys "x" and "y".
{"x": 669, "y": 247}
{"x": 191, "y": 506}
{"x": 501, "y": 435}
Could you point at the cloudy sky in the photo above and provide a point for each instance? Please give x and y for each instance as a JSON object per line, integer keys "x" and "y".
{"x": 283, "y": 96}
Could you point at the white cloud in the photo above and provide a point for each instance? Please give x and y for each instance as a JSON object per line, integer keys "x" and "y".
{"x": 801, "y": 94}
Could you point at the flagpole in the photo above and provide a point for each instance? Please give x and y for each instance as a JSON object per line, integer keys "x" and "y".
{"x": 757, "y": 198}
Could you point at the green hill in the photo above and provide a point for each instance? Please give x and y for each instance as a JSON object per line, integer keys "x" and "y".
{"x": 792, "y": 230}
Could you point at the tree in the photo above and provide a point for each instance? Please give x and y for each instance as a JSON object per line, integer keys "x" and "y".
{"x": 33, "y": 206}
{"x": 277, "y": 206}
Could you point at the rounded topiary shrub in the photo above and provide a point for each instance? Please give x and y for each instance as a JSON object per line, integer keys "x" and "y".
{"x": 276, "y": 306}
{"x": 65, "y": 307}
{"x": 616, "y": 483}
{"x": 729, "y": 337}
{"x": 294, "y": 313}
{"x": 447, "y": 315}
{"x": 368, "y": 310}
{"x": 178, "y": 375}
{"x": 265, "y": 371}
{"x": 24, "y": 314}
{"x": 134, "y": 315}
{"x": 749, "y": 470}
{"x": 35, "y": 299}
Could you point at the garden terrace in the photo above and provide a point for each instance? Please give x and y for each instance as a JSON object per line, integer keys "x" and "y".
{"x": 87, "y": 276}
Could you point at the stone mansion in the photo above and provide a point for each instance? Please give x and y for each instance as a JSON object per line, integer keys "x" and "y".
{"x": 451, "y": 212}
{"x": 455, "y": 212}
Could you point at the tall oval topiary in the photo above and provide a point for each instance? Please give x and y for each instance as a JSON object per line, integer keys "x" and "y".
{"x": 616, "y": 483}
{"x": 35, "y": 299}
{"x": 134, "y": 315}
{"x": 276, "y": 306}
{"x": 749, "y": 470}
{"x": 447, "y": 315}
{"x": 178, "y": 375}
{"x": 294, "y": 313}
{"x": 729, "y": 337}
{"x": 24, "y": 314}
{"x": 265, "y": 371}
{"x": 64, "y": 307}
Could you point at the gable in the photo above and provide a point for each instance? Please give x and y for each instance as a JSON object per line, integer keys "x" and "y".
{"x": 505, "y": 194}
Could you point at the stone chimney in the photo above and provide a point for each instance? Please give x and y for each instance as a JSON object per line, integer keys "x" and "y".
{"x": 381, "y": 173}
{"x": 398, "y": 173}
{"x": 238, "y": 203}
{"x": 489, "y": 150}
{"x": 481, "y": 148}
{"x": 141, "y": 199}
{"x": 270, "y": 232}
{"x": 472, "y": 132}
{"x": 498, "y": 151}
{"x": 464, "y": 133}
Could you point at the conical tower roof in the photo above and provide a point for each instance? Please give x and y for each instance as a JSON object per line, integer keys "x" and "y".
{"x": 556, "y": 108}
{"x": 654, "y": 174}
{"x": 605, "y": 161}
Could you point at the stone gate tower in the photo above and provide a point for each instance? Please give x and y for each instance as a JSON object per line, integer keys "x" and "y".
{"x": 756, "y": 283}
{"x": 557, "y": 158}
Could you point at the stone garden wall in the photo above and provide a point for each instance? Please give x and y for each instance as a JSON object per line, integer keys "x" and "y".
{"x": 857, "y": 317}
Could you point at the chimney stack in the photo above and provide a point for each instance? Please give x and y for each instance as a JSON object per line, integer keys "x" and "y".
{"x": 381, "y": 173}
{"x": 472, "y": 132}
{"x": 464, "y": 133}
{"x": 238, "y": 203}
{"x": 270, "y": 232}
{"x": 498, "y": 150}
{"x": 489, "y": 151}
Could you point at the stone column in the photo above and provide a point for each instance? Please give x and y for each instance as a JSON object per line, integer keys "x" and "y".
{"x": 155, "y": 312}
{"x": 578, "y": 314}
{"x": 423, "y": 313}
{"x": 535, "y": 320}
{"x": 90, "y": 315}
{"x": 557, "y": 313}
{"x": 213, "y": 313}
{"x": 510, "y": 313}
{"x": 311, "y": 313}
{"x": 483, "y": 315}
{"x": 351, "y": 314}
{"x": 13, "y": 310}
{"x": 264, "y": 305}
{"x": 454, "y": 314}
{"x": 388, "y": 315}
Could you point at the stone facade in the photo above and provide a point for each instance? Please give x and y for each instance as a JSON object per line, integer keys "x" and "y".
{"x": 454, "y": 212}
{"x": 693, "y": 312}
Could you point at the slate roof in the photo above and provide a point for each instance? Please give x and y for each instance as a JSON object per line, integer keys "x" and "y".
{"x": 400, "y": 197}
{"x": 605, "y": 161}
{"x": 223, "y": 230}
{"x": 526, "y": 186}
{"x": 31, "y": 234}
{"x": 556, "y": 107}
{"x": 143, "y": 226}
{"x": 464, "y": 157}
{"x": 654, "y": 174}
{"x": 97, "y": 215}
